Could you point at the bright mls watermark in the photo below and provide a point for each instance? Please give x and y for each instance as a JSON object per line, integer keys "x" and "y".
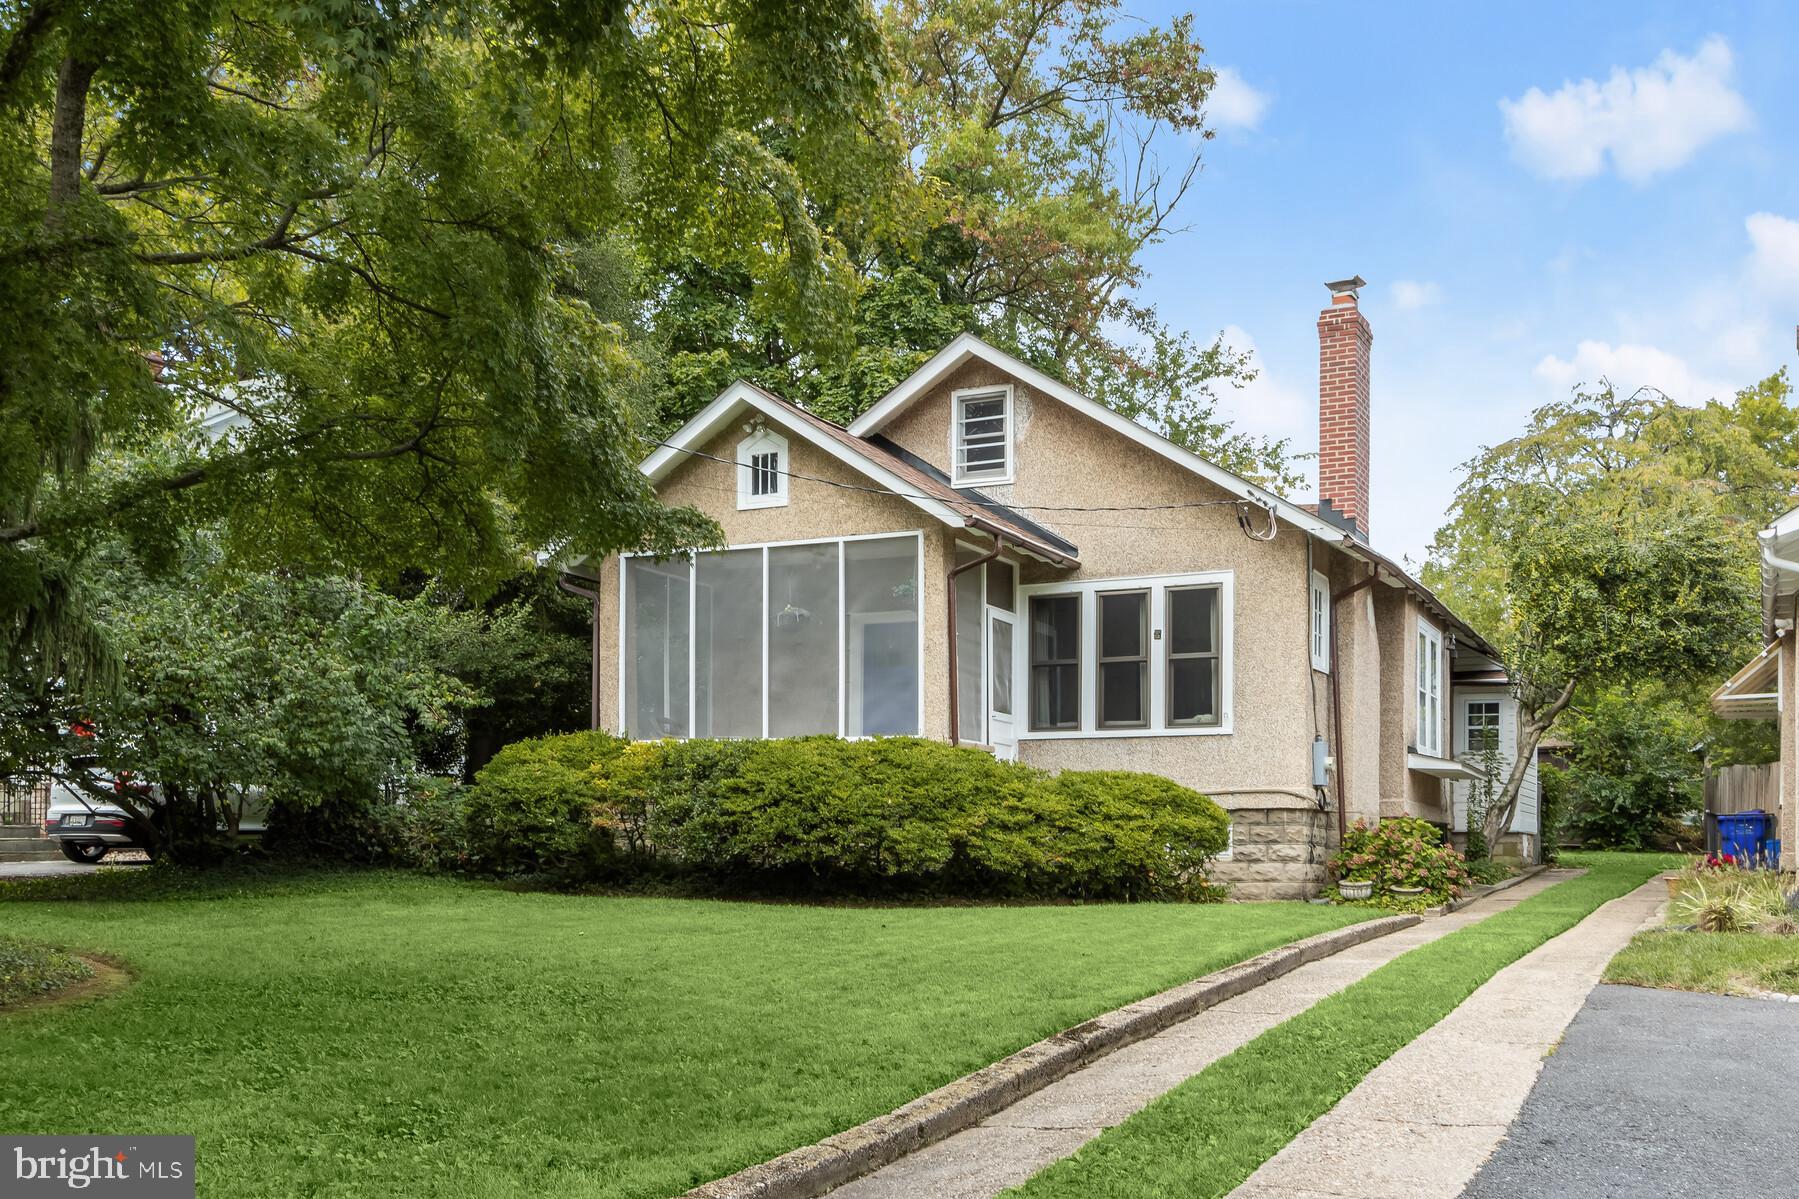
{"x": 138, "y": 1167}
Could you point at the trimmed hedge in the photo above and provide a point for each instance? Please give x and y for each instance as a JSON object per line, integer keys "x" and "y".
{"x": 891, "y": 814}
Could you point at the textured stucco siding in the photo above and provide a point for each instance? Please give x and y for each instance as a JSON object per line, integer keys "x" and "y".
{"x": 1065, "y": 459}
{"x": 814, "y": 510}
{"x": 1360, "y": 689}
{"x": 1405, "y": 792}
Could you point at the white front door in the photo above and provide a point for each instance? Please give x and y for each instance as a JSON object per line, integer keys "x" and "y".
{"x": 1002, "y": 733}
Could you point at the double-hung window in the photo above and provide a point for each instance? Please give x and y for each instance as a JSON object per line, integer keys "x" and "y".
{"x": 1483, "y": 725}
{"x": 1055, "y": 662}
{"x": 1130, "y": 657}
{"x": 1321, "y": 622}
{"x": 1193, "y": 658}
{"x": 981, "y": 439}
{"x": 1430, "y": 690}
{"x": 1123, "y": 659}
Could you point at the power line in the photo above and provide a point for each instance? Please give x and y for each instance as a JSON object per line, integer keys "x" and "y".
{"x": 978, "y": 503}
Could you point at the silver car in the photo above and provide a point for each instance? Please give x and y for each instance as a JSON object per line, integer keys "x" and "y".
{"x": 87, "y": 828}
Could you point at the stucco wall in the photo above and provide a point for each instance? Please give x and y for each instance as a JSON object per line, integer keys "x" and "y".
{"x": 814, "y": 510}
{"x": 1065, "y": 459}
{"x": 1405, "y": 792}
{"x": 1359, "y": 683}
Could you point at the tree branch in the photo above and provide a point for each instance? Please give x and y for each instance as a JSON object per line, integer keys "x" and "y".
{"x": 37, "y": 22}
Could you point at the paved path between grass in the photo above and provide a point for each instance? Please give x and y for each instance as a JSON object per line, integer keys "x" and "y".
{"x": 1421, "y": 1123}
{"x": 50, "y": 868}
{"x": 1007, "y": 1148}
{"x": 1657, "y": 1093}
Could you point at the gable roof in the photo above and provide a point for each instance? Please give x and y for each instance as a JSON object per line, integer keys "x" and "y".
{"x": 967, "y": 347}
{"x": 904, "y": 477}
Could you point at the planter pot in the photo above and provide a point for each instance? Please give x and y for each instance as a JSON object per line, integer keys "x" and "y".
{"x": 1673, "y": 881}
{"x": 1355, "y": 890}
{"x": 1406, "y": 892}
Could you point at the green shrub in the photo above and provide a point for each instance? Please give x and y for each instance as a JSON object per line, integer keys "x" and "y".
{"x": 429, "y": 829}
{"x": 870, "y": 816}
{"x": 535, "y": 808}
{"x": 1404, "y": 852}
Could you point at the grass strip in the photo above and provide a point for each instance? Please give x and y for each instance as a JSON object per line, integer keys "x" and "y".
{"x": 1724, "y": 963}
{"x": 1206, "y": 1136}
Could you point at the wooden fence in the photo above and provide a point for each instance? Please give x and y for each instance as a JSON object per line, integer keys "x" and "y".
{"x": 1739, "y": 789}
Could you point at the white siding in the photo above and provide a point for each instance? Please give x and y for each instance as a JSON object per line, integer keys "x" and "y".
{"x": 1524, "y": 820}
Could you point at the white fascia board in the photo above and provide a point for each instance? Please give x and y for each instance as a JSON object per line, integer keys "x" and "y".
{"x": 967, "y": 346}
{"x": 720, "y": 412}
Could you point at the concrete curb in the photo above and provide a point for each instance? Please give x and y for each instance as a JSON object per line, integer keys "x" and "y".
{"x": 1456, "y": 905}
{"x": 814, "y": 1169}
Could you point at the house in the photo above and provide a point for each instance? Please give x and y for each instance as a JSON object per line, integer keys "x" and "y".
{"x": 990, "y": 558}
{"x": 1763, "y": 688}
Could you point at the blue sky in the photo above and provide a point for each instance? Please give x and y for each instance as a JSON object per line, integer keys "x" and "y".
{"x": 1635, "y": 215}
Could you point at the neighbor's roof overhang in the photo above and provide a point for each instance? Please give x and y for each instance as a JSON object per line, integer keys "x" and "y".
{"x": 1752, "y": 693}
{"x": 1440, "y": 768}
{"x": 1779, "y": 544}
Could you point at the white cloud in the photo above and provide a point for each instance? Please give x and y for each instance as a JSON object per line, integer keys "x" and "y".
{"x": 1649, "y": 120}
{"x": 1269, "y": 406}
{"x": 1232, "y": 103}
{"x": 1629, "y": 366}
{"x": 1774, "y": 253}
{"x": 1412, "y": 294}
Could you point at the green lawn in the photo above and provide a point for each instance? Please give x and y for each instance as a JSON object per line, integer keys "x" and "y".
{"x": 390, "y": 1035}
{"x": 1206, "y": 1136}
{"x": 1728, "y": 963}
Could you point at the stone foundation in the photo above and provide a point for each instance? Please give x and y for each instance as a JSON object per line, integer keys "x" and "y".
{"x": 1276, "y": 853}
{"x": 1517, "y": 849}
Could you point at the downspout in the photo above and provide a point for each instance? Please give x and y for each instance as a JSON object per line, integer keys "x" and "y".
{"x": 955, "y": 711}
{"x": 1337, "y": 702}
{"x": 594, "y": 665}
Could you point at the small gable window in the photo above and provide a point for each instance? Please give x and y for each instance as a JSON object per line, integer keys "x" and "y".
{"x": 762, "y": 470}
{"x": 981, "y": 439}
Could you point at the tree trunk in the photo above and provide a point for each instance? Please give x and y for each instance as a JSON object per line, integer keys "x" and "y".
{"x": 66, "y": 129}
{"x": 1499, "y": 815}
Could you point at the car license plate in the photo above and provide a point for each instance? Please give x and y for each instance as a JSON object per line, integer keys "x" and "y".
{"x": 75, "y": 821}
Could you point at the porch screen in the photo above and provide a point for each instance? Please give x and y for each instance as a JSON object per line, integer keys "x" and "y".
{"x": 727, "y": 673}
{"x": 881, "y": 636}
{"x": 656, "y": 647}
{"x": 782, "y": 641}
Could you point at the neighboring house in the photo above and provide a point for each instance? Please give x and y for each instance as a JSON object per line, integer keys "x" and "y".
{"x": 1764, "y": 688}
{"x": 988, "y": 557}
{"x": 1486, "y": 718}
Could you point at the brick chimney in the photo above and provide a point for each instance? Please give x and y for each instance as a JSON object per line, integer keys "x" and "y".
{"x": 1343, "y": 409}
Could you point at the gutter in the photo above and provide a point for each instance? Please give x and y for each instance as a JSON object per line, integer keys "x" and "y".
{"x": 1770, "y": 588}
{"x": 955, "y": 711}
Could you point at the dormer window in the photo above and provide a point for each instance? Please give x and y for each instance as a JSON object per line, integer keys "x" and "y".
{"x": 762, "y": 470}
{"x": 981, "y": 439}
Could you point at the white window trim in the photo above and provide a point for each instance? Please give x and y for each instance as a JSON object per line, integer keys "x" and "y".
{"x": 1421, "y": 692}
{"x": 1157, "y": 585}
{"x": 957, "y": 477}
{"x": 764, "y": 441}
{"x": 1318, "y": 630}
{"x": 842, "y": 624}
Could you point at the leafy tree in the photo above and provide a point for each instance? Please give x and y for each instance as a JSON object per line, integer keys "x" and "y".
{"x": 1635, "y": 771}
{"x": 307, "y": 687}
{"x": 1050, "y": 142}
{"x": 1610, "y": 548}
{"x": 364, "y": 229}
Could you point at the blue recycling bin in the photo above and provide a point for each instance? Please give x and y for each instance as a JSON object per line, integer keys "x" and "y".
{"x": 1741, "y": 834}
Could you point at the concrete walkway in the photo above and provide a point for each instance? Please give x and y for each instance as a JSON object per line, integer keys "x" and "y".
{"x": 1009, "y": 1147}
{"x": 1421, "y": 1124}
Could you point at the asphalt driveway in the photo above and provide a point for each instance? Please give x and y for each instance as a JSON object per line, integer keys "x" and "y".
{"x": 1657, "y": 1093}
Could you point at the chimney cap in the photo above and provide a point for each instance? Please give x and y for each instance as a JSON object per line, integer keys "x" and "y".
{"x": 1347, "y": 287}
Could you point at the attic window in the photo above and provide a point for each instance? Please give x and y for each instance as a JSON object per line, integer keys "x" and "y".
{"x": 762, "y": 470}
{"x": 981, "y": 436}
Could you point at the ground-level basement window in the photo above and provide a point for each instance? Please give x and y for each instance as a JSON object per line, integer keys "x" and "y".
{"x": 773, "y": 640}
{"x": 1129, "y": 657}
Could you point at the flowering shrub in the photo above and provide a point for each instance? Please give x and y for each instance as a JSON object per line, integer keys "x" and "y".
{"x": 1402, "y": 853}
{"x": 1716, "y": 861}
